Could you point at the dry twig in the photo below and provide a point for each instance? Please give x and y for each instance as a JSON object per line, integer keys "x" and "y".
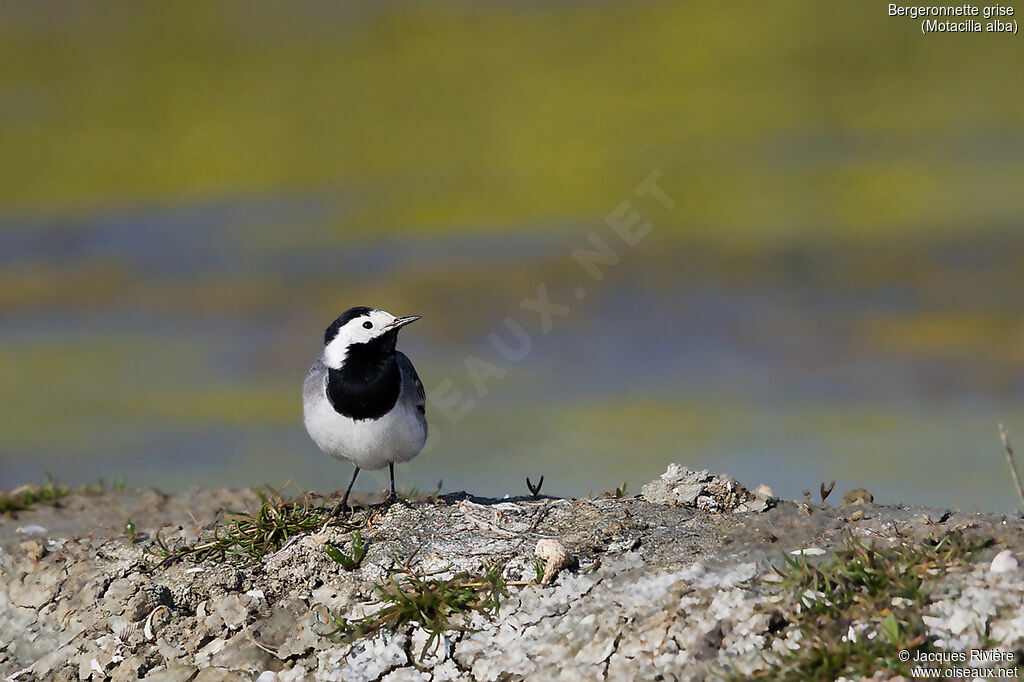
{"x": 1005, "y": 436}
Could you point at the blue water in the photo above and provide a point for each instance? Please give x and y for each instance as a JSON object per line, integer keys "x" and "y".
{"x": 166, "y": 345}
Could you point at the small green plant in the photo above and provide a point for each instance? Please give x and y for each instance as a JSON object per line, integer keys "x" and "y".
{"x": 349, "y": 563}
{"x": 246, "y": 537}
{"x": 535, "y": 489}
{"x": 413, "y": 491}
{"x": 882, "y": 588}
{"x": 27, "y": 496}
{"x": 618, "y": 493}
{"x": 538, "y": 569}
{"x": 433, "y": 602}
{"x": 825, "y": 492}
{"x": 100, "y": 487}
{"x": 129, "y": 529}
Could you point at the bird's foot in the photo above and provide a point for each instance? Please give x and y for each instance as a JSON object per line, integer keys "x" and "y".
{"x": 392, "y": 498}
{"x": 342, "y": 510}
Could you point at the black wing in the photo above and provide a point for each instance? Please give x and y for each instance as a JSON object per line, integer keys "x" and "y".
{"x": 409, "y": 374}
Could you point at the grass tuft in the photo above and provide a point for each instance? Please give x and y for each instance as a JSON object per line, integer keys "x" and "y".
{"x": 408, "y": 596}
{"x": 247, "y": 537}
{"x": 856, "y": 611}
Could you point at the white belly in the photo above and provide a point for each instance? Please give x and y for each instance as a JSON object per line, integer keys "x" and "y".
{"x": 368, "y": 443}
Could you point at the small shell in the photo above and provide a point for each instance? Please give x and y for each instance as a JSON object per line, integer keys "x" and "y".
{"x": 147, "y": 630}
{"x": 1003, "y": 562}
{"x": 809, "y": 551}
{"x": 124, "y": 631}
{"x": 554, "y": 555}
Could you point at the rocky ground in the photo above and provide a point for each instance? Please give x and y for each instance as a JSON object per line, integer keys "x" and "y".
{"x": 669, "y": 584}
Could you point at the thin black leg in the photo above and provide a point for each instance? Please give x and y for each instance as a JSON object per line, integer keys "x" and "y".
{"x": 344, "y": 500}
{"x": 393, "y": 497}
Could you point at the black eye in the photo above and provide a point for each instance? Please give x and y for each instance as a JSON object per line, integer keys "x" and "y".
{"x": 367, "y": 325}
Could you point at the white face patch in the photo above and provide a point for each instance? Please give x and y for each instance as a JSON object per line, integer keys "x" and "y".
{"x": 355, "y": 331}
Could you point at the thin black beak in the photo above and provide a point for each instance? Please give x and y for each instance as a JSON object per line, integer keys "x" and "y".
{"x": 402, "y": 321}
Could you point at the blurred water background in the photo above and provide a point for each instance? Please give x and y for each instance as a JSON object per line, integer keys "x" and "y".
{"x": 190, "y": 192}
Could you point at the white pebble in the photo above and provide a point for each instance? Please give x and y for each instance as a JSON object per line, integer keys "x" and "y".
{"x": 267, "y": 676}
{"x": 31, "y": 530}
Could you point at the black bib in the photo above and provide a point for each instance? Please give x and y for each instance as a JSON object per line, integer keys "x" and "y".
{"x": 368, "y": 384}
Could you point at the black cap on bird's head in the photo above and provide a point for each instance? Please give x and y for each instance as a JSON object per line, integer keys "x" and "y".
{"x": 343, "y": 319}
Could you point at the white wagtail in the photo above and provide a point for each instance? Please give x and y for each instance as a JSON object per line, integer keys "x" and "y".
{"x": 362, "y": 400}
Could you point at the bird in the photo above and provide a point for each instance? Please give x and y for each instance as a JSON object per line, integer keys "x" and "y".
{"x": 362, "y": 401}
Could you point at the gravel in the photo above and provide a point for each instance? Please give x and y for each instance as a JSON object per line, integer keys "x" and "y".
{"x": 667, "y": 585}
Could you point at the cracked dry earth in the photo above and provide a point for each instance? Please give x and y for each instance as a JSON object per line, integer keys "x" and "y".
{"x": 667, "y": 585}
